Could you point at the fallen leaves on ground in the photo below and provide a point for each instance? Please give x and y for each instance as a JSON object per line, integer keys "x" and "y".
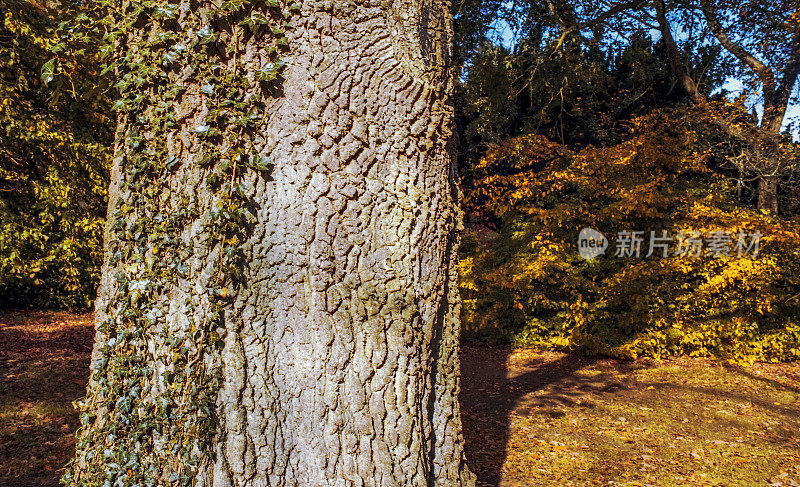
{"x": 541, "y": 419}
{"x": 530, "y": 418}
{"x": 44, "y": 365}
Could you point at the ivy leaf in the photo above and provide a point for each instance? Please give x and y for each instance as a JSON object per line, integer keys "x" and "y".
{"x": 258, "y": 163}
{"x": 270, "y": 71}
{"x": 260, "y": 18}
{"x": 206, "y": 35}
{"x": 48, "y": 70}
{"x": 232, "y": 6}
{"x": 163, "y": 13}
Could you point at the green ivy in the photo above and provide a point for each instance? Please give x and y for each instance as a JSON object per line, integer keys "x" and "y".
{"x": 140, "y": 427}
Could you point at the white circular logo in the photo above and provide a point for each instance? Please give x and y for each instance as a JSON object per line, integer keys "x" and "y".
{"x": 591, "y": 243}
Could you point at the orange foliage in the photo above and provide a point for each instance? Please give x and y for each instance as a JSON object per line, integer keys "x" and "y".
{"x": 530, "y": 282}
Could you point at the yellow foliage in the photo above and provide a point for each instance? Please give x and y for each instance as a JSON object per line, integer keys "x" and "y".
{"x": 54, "y": 156}
{"x": 529, "y": 281}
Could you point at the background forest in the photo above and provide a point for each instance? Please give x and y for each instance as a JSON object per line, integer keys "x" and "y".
{"x": 619, "y": 116}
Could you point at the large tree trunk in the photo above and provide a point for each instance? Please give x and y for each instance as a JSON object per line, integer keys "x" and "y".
{"x": 339, "y": 361}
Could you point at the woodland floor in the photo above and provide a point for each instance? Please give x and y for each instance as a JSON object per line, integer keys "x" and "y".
{"x": 530, "y": 418}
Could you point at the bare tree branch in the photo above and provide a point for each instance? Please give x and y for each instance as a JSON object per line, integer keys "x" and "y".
{"x": 763, "y": 71}
{"x": 574, "y": 26}
{"x": 675, "y": 61}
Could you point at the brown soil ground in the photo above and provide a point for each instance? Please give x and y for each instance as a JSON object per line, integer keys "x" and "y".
{"x": 530, "y": 418}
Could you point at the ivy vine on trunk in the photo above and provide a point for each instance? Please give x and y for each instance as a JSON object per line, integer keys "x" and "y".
{"x": 279, "y": 303}
{"x": 150, "y": 411}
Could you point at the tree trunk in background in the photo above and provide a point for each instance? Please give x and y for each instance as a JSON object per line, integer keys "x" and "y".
{"x": 765, "y": 138}
{"x": 768, "y": 194}
{"x": 771, "y": 124}
{"x": 340, "y": 363}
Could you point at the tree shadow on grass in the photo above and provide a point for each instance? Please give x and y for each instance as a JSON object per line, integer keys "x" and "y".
{"x": 491, "y": 391}
{"x": 503, "y": 390}
{"x": 765, "y": 380}
{"x": 44, "y": 359}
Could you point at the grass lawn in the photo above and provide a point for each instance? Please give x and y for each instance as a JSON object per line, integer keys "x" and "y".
{"x": 533, "y": 418}
{"x": 44, "y": 366}
{"x": 530, "y": 418}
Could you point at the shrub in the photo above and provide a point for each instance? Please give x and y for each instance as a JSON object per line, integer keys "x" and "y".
{"x": 528, "y": 284}
{"x": 54, "y": 154}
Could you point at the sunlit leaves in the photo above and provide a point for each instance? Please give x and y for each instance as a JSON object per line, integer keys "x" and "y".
{"x": 53, "y": 168}
{"x": 528, "y": 281}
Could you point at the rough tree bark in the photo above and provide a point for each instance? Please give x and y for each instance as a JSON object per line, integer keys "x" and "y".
{"x": 340, "y": 362}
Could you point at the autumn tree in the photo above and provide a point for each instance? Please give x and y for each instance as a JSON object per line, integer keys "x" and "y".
{"x": 54, "y": 153}
{"x": 765, "y": 40}
{"x": 279, "y": 303}
{"x": 662, "y": 187}
{"x": 702, "y": 43}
